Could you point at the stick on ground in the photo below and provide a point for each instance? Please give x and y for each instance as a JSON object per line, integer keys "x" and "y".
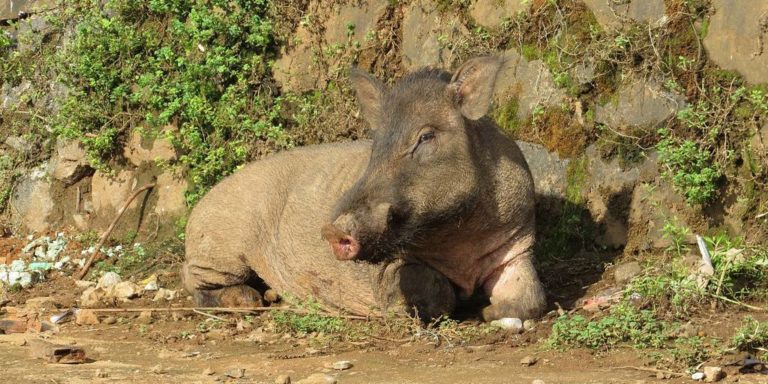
{"x": 106, "y": 234}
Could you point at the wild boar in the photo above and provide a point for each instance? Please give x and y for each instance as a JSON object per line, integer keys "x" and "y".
{"x": 440, "y": 202}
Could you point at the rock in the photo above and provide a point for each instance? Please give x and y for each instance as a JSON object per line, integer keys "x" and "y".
{"x": 125, "y": 290}
{"x": 549, "y": 171}
{"x": 158, "y": 370}
{"x": 109, "y": 280}
{"x": 625, "y": 272}
{"x": 610, "y": 14}
{"x": 341, "y": 365}
{"x": 10, "y": 10}
{"x": 697, "y": 376}
{"x": 145, "y": 317}
{"x": 18, "y": 143}
{"x": 318, "y": 378}
{"x": 40, "y": 304}
{"x": 713, "y": 374}
{"x": 32, "y": 201}
{"x": 165, "y": 294}
{"x": 170, "y": 195}
{"x": 139, "y": 149}
{"x": 537, "y": 381}
{"x": 733, "y": 40}
{"x": 69, "y": 164}
{"x": 208, "y": 371}
{"x": 528, "y": 360}
{"x": 283, "y": 379}
{"x": 529, "y": 324}
{"x": 609, "y": 193}
{"x": 529, "y": 83}
{"x": 509, "y": 323}
{"x": 108, "y": 193}
{"x": 86, "y": 317}
{"x": 492, "y": 13}
{"x": 642, "y": 104}
{"x": 92, "y": 296}
{"x": 101, "y": 374}
{"x": 427, "y": 34}
{"x": 109, "y": 320}
{"x": 235, "y": 373}
{"x": 296, "y": 68}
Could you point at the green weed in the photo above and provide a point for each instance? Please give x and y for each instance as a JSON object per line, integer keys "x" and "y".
{"x": 751, "y": 335}
{"x": 623, "y": 324}
{"x": 313, "y": 320}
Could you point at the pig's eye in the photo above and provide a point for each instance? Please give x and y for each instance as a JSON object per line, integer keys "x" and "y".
{"x": 427, "y": 136}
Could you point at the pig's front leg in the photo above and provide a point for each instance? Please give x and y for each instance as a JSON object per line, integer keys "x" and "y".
{"x": 515, "y": 291}
{"x": 415, "y": 288}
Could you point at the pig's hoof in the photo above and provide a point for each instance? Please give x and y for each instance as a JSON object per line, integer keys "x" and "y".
{"x": 511, "y": 309}
{"x": 229, "y": 297}
{"x": 240, "y": 296}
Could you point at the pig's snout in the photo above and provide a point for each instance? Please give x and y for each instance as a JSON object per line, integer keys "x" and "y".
{"x": 346, "y": 233}
{"x": 339, "y": 235}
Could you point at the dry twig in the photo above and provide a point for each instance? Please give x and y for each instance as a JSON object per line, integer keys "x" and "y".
{"x": 106, "y": 234}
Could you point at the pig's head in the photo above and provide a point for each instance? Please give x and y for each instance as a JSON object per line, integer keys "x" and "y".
{"x": 425, "y": 165}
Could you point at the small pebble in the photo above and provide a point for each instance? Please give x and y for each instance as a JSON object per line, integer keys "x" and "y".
{"x": 697, "y": 376}
{"x": 283, "y": 379}
{"x": 509, "y": 323}
{"x": 712, "y": 374}
{"x": 235, "y": 373}
{"x": 157, "y": 369}
{"x": 101, "y": 374}
{"x": 528, "y": 361}
{"x": 109, "y": 320}
{"x": 342, "y": 365}
{"x": 21, "y": 343}
{"x": 537, "y": 381}
{"x": 529, "y": 324}
{"x": 208, "y": 371}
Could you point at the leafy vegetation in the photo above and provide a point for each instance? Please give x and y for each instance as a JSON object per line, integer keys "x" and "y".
{"x": 752, "y": 335}
{"x": 623, "y": 323}
{"x": 193, "y": 73}
{"x": 313, "y": 319}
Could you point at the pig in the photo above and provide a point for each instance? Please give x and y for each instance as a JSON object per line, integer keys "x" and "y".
{"x": 438, "y": 205}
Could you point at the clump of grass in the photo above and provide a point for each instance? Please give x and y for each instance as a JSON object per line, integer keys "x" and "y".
{"x": 751, "y": 336}
{"x": 623, "y": 324}
{"x": 312, "y": 319}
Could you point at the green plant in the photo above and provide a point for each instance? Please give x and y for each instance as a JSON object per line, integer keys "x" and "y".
{"x": 678, "y": 235}
{"x": 689, "y": 166}
{"x": 751, "y": 335}
{"x": 193, "y": 73}
{"x": 623, "y": 323}
{"x": 310, "y": 319}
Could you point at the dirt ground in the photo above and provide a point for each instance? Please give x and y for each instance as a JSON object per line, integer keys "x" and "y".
{"x": 187, "y": 347}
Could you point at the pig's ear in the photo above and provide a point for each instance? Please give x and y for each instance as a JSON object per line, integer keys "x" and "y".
{"x": 471, "y": 87}
{"x": 370, "y": 95}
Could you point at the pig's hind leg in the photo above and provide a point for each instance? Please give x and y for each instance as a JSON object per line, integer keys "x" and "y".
{"x": 220, "y": 285}
{"x": 415, "y": 288}
{"x": 515, "y": 291}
